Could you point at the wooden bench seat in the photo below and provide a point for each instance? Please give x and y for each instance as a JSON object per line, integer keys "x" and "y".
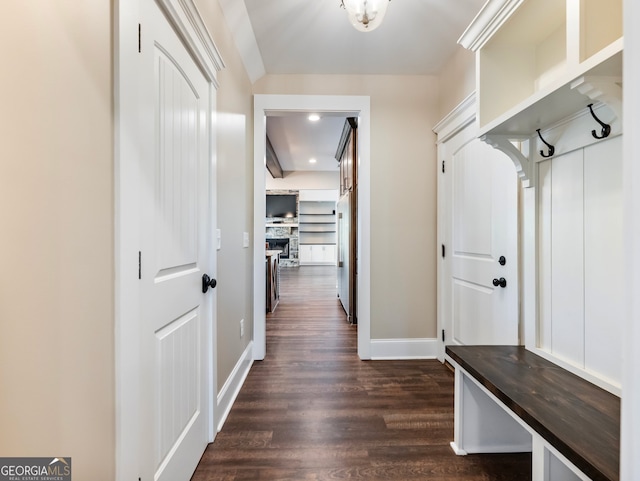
{"x": 580, "y": 420}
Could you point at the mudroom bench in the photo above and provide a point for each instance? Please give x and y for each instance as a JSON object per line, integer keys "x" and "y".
{"x": 508, "y": 399}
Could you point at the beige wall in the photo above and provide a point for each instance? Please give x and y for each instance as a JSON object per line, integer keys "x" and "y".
{"x": 403, "y": 192}
{"x": 235, "y": 195}
{"x": 457, "y": 80}
{"x": 56, "y": 241}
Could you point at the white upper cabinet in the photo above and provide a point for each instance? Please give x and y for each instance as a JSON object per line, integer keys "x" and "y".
{"x": 540, "y": 61}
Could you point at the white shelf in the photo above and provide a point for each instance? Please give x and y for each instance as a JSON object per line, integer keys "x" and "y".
{"x": 558, "y": 100}
{"x": 317, "y": 220}
{"x": 529, "y": 53}
{"x": 281, "y": 225}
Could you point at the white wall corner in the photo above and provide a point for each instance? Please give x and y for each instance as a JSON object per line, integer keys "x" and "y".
{"x": 233, "y": 384}
{"x": 397, "y": 349}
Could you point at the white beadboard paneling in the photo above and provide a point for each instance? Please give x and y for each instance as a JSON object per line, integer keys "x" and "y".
{"x": 567, "y": 258}
{"x": 604, "y": 258}
{"x": 545, "y": 289}
{"x": 177, "y": 164}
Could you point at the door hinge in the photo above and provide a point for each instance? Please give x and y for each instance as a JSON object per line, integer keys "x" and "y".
{"x": 443, "y": 166}
{"x": 139, "y": 38}
{"x": 443, "y": 335}
{"x": 139, "y": 264}
{"x": 443, "y": 251}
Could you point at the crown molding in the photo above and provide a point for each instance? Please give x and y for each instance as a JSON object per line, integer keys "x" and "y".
{"x": 490, "y": 18}
{"x": 461, "y": 116}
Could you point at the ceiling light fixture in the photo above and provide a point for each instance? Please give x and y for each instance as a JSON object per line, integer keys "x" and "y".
{"x": 314, "y": 117}
{"x": 365, "y": 15}
{"x": 312, "y": 161}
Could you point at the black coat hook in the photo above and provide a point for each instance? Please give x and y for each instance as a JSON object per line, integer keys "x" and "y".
{"x": 552, "y": 149}
{"x": 606, "y": 128}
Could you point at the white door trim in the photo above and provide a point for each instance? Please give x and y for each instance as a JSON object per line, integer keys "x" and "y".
{"x": 359, "y": 105}
{"x": 127, "y": 121}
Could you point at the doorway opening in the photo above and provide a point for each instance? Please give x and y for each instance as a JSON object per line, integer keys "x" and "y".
{"x": 348, "y": 106}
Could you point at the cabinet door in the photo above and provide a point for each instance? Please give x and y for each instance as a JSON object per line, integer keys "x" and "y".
{"x": 306, "y": 254}
{"x": 328, "y": 254}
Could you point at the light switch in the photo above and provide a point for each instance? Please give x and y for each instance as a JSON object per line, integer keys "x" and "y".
{"x": 245, "y": 240}
{"x": 219, "y": 238}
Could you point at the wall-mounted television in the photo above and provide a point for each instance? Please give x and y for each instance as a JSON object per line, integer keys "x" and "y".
{"x": 281, "y": 205}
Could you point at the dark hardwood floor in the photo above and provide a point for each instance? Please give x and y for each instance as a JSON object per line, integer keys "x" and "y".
{"x": 313, "y": 411}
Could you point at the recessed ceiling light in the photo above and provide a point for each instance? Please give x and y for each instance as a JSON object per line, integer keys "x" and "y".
{"x": 314, "y": 117}
{"x": 312, "y": 161}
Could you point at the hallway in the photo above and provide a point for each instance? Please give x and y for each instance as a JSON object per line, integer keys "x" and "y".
{"x": 313, "y": 411}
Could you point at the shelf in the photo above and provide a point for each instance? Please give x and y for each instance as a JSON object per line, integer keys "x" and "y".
{"x": 529, "y": 53}
{"x": 558, "y": 100}
{"x": 321, "y": 228}
{"x": 281, "y": 225}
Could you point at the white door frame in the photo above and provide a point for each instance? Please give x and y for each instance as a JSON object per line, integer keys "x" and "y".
{"x": 359, "y": 105}
{"x": 127, "y": 121}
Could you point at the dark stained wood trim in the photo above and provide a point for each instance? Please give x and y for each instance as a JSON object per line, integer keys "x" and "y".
{"x": 272, "y": 162}
{"x": 351, "y": 123}
{"x": 581, "y": 420}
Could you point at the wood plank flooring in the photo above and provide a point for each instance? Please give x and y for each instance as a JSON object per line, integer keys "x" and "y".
{"x": 312, "y": 411}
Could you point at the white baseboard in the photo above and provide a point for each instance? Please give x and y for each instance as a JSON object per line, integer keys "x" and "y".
{"x": 232, "y": 385}
{"x": 456, "y": 449}
{"x": 391, "y": 349}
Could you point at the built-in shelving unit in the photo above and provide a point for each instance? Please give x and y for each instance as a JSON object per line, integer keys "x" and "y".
{"x": 317, "y": 227}
{"x": 540, "y": 65}
{"x": 547, "y": 72}
{"x": 541, "y": 61}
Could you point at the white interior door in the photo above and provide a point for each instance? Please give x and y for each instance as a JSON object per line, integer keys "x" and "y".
{"x": 176, "y": 218}
{"x": 482, "y": 244}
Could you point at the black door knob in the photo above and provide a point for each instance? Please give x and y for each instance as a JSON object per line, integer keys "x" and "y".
{"x": 207, "y": 283}
{"x": 502, "y": 261}
{"x": 502, "y": 282}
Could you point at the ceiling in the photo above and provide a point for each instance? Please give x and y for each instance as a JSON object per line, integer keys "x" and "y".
{"x": 417, "y": 37}
{"x": 296, "y": 140}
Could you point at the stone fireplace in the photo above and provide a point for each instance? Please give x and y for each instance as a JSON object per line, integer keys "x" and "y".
{"x": 281, "y": 245}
